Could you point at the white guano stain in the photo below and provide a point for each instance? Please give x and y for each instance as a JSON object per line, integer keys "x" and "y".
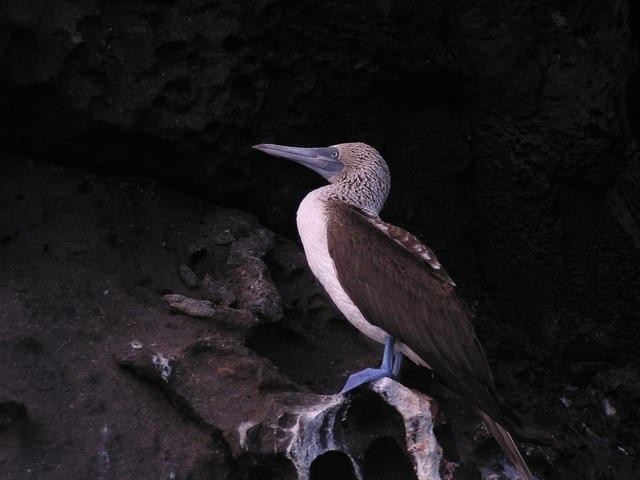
{"x": 104, "y": 459}
{"x": 163, "y": 365}
{"x": 609, "y": 409}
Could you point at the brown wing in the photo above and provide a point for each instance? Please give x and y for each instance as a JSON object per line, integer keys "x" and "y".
{"x": 411, "y": 300}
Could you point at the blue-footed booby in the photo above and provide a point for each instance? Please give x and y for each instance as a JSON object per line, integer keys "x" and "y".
{"x": 388, "y": 284}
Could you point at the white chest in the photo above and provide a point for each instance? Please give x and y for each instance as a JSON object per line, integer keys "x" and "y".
{"x": 312, "y": 226}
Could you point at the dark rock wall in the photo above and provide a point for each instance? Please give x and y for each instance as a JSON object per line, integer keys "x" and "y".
{"x": 510, "y": 128}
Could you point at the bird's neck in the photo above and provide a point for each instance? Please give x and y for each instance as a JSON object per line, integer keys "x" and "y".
{"x": 364, "y": 193}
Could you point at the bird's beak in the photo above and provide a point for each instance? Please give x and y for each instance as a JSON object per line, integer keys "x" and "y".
{"x": 320, "y": 160}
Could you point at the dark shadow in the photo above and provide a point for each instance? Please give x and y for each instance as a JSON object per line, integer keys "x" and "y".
{"x": 332, "y": 465}
{"x": 318, "y": 359}
{"x": 632, "y": 90}
{"x": 633, "y": 102}
{"x": 369, "y": 417}
{"x": 384, "y": 459}
{"x": 285, "y": 348}
{"x": 274, "y": 468}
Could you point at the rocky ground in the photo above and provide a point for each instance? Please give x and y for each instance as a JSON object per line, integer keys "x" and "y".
{"x": 511, "y": 129}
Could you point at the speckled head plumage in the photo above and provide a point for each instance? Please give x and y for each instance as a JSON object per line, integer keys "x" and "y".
{"x": 365, "y": 180}
{"x": 357, "y": 172}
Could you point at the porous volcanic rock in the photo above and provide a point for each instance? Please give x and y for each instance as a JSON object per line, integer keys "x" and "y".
{"x": 383, "y": 430}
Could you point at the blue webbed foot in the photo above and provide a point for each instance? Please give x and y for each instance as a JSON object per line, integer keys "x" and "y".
{"x": 364, "y": 376}
{"x": 390, "y": 368}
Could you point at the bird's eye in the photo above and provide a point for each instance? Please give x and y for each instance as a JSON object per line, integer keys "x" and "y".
{"x": 334, "y": 154}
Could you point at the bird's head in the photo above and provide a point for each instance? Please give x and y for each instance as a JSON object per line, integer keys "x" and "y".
{"x": 360, "y": 161}
{"x": 360, "y": 173}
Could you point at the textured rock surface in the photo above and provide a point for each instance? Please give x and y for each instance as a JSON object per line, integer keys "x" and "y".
{"x": 511, "y": 130}
{"x": 385, "y": 430}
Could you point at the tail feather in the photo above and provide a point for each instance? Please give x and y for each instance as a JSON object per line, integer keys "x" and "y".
{"x": 504, "y": 439}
